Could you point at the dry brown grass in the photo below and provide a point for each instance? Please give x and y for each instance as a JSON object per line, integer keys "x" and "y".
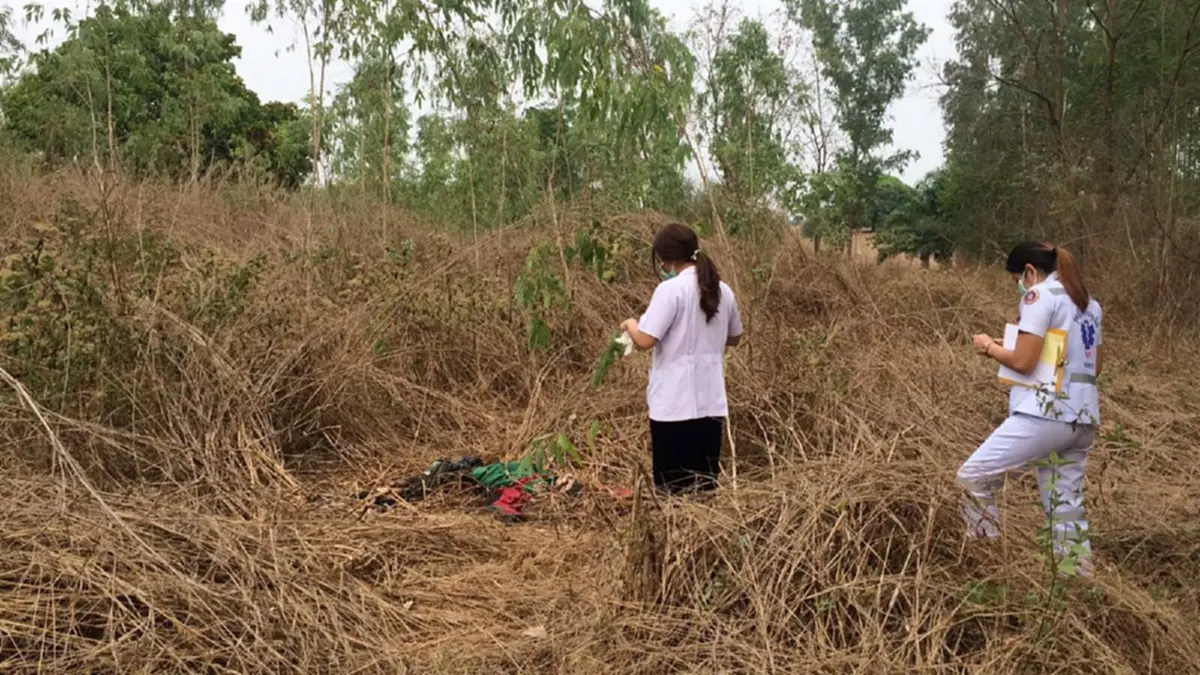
{"x": 177, "y": 487}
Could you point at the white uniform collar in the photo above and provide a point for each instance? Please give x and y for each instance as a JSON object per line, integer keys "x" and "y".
{"x": 1051, "y": 279}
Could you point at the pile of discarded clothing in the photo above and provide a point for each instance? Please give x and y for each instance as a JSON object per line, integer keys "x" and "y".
{"x": 505, "y": 486}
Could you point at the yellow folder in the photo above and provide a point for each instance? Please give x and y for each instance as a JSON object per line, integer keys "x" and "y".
{"x": 1049, "y": 368}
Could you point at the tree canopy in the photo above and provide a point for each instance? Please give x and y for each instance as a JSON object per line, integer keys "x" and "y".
{"x": 1066, "y": 120}
{"x": 153, "y": 92}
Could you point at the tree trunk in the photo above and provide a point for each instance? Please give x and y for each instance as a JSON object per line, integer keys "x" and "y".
{"x": 1108, "y": 178}
{"x": 387, "y": 131}
{"x": 1108, "y": 169}
{"x": 362, "y": 152}
{"x": 387, "y": 117}
{"x": 315, "y": 127}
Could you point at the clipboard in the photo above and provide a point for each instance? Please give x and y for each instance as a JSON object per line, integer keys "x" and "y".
{"x": 1049, "y": 367}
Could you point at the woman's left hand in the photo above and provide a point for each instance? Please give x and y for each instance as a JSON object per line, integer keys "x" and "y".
{"x": 629, "y": 326}
{"x": 982, "y": 343}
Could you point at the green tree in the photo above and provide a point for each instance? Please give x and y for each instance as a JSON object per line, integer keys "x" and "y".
{"x": 608, "y": 91}
{"x": 435, "y": 162}
{"x": 914, "y": 221}
{"x": 370, "y": 36}
{"x": 866, "y": 49}
{"x": 367, "y": 131}
{"x": 890, "y": 194}
{"x": 273, "y": 145}
{"x": 1077, "y": 120}
{"x": 749, "y": 94}
{"x": 629, "y": 80}
{"x": 10, "y": 46}
{"x": 138, "y": 87}
{"x": 322, "y": 23}
{"x": 827, "y": 198}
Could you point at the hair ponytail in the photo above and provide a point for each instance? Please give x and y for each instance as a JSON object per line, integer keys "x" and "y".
{"x": 1071, "y": 278}
{"x": 710, "y": 285}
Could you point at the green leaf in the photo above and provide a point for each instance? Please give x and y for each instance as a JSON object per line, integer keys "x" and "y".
{"x": 539, "y": 334}
{"x": 568, "y": 447}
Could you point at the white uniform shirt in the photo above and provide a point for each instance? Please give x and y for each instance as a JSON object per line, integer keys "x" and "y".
{"x": 1047, "y": 306}
{"x": 687, "y": 376}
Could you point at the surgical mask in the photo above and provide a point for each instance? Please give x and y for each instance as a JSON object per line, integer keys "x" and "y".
{"x": 665, "y": 274}
{"x": 1021, "y": 284}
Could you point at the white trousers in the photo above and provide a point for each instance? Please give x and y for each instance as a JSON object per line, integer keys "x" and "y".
{"x": 1013, "y": 447}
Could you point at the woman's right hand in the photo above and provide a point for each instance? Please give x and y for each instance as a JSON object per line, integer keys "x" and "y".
{"x": 983, "y": 343}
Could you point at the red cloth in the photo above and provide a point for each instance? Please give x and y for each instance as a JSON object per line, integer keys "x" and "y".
{"x": 510, "y": 499}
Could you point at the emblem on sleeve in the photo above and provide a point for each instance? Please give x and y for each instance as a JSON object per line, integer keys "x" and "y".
{"x": 1031, "y": 297}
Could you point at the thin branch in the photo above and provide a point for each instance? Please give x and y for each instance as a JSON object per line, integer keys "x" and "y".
{"x": 1021, "y": 86}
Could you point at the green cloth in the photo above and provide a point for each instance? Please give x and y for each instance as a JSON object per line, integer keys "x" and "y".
{"x": 503, "y": 474}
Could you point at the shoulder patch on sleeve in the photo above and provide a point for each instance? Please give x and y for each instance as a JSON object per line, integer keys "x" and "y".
{"x": 1031, "y": 297}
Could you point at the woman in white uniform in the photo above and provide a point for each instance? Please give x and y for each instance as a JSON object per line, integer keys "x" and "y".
{"x": 1041, "y": 422}
{"x": 693, "y": 316}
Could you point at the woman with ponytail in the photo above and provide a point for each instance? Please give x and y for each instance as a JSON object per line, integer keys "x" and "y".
{"x": 1053, "y": 296}
{"x": 692, "y": 317}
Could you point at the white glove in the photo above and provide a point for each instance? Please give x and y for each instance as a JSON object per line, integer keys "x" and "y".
{"x": 627, "y": 342}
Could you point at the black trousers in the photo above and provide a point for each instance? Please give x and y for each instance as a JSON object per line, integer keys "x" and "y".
{"x": 686, "y": 454}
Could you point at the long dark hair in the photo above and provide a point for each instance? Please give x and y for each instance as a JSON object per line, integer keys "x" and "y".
{"x": 1049, "y": 258}
{"x": 676, "y": 243}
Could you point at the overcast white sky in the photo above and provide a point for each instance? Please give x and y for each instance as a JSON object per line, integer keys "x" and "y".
{"x": 275, "y": 73}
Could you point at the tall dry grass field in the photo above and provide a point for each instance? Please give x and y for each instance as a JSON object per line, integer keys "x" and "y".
{"x": 199, "y": 379}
